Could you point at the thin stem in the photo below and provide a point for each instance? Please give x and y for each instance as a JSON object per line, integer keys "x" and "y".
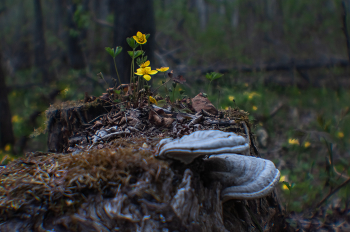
{"x": 174, "y": 94}
{"x": 115, "y": 66}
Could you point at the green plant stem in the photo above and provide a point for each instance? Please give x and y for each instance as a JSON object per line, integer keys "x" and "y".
{"x": 115, "y": 66}
{"x": 174, "y": 94}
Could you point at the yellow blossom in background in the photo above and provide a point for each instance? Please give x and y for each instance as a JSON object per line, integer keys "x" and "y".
{"x": 7, "y": 147}
{"x": 226, "y": 108}
{"x": 283, "y": 178}
{"x": 152, "y": 100}
{"x": 293, "y": 141}
{"x": 163, "y": 69}
{"x": 144, "y": 65}
{"x": 246, "y": 84}
{"x": 140, "y": 38}
{"x": 307, "y": 144}
{"x": 255, "y": 108}
{"x": 340, "y": 134}
{"x": 231, "y": 98}
{"x": 146, "y": 72}
{"x": 252, "y": 94}
{"x": 15, "y": 118}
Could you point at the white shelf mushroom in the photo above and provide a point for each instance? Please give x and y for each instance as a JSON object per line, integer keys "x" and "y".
{"x": 206, "y": 142}
{"x": 243, "y": 177}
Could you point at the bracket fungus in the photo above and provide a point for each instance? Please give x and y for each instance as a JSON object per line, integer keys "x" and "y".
{"x": 199, "y": 143}
{"x": 242, "y": 177}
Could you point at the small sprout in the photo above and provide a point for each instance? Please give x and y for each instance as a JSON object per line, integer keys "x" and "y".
{"x": 213, "y": 76}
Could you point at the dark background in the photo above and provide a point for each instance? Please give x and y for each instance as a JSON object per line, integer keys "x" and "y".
{"x": 285, "y": 62}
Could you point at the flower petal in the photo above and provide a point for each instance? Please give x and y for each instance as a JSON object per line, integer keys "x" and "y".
{"x": 139, "y": 34}
{"x": 147, "y": 77}
{"x": 147, "y": 63}
{"x": 152, "y": 72}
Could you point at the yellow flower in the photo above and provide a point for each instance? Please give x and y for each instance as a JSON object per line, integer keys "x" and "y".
{"x": 140, "y": 38}
{"x": 144, "y": 65}
{"x": 252, "y": 94}
{"x": 152, "y": 100}
{"x": 231, "y": 98}
{"x": 293, "y": 141}
{"x": 7, "y": 147}
{"x": 283, "y": 178}
{"x": 307, "y": 144}
{"x": 226, "y": 108}
{"x": 255, "y": 108}
{"x": 146, "y": 72}
{"x": 340, "y": 134}
{"x": 15, "y": 118}
{"x": 163, "y": 69}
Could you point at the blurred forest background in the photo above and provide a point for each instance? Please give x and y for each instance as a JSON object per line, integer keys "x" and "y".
{"x": 285, "y": 62}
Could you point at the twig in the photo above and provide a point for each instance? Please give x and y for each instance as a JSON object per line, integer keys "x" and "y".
{"x": 332, "y": 192}
{"x": 345, "y": 28}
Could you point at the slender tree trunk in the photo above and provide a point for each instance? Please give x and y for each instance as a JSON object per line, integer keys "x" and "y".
{"x": 75, "y": 54}
{"x": 131, "y": 16}
{"x": 6, "y": 132}
{"x": 202, "y": 12}
{"x": 39, "y": 43}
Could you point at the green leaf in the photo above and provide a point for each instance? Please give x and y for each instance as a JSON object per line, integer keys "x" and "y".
{"x": 132, "y": 43}
{"x": 161, "y": 103}
{"x": 174, "y": 84}
{"x": 147, "y": 36}
{"x": 117, "y": 92}
{"x": 287, "y": 185}
{"x": 110, "y": 51}
{"x": 216, "y": 75}
{"x": 182, "y": 92}
{"x": 136, "y": 54}
{"x": 118, "y": 50}
{"x": 205, "y": 95}
{"x": 208, "y": 76}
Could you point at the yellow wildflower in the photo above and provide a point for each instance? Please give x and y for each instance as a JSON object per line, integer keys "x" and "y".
{"x": 144, "y": 65}
{"x": 163, "y": 69}
{"x": 231, "y": 98}
{"x": 293, "y": 141}
{"x": 146, "y": 72}
{"x": 283, "y": 178}
{"x": 140, "y": 38}
{"x": 15, "y": 118}
{"x": 226, "y": 108}
{"x": 340, "y": 134}
{"x": 255, "y": 108}
{"x": 7, "y": 147}
{"x": 307, "y": 144}
{"x": 252, "y": 94}
{"x": 152, "y": 100}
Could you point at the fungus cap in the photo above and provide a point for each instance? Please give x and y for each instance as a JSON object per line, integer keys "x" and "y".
{"x": 206, "y": 142}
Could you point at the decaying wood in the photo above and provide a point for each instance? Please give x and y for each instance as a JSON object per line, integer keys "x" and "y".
{"x": 119, "y": 185}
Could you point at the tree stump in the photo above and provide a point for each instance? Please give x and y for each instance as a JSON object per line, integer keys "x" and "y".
{"x": 118, "y": 184}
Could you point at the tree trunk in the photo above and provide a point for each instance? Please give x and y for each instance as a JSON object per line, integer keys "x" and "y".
{"x": 39, "y": 43}
{"x": 131, "y": 16}
{"x": 75, "y": 54}
{"x": 6, "y": 132}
